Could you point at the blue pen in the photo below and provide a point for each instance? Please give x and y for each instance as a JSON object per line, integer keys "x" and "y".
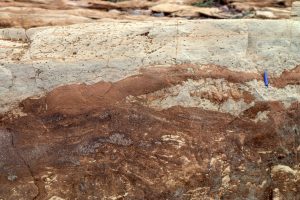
{"x": 266, "y": 78}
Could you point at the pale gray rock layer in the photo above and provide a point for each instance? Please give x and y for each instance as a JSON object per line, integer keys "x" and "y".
{"x": 35, "y": 61}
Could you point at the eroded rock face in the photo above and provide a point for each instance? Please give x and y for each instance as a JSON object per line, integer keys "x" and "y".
{"x": 40, "y": 13}
{"x": 173, "y": 112}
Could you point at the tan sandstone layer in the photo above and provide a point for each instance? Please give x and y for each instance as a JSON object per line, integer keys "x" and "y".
{"x": 36, "y": 13}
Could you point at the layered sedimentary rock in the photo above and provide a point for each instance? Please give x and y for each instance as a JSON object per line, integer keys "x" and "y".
{"x": 151, "y": 110}
{"x": 36, "y": 13}
{"x": 258, "y": 3}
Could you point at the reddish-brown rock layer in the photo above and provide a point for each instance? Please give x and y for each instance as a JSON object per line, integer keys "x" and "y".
{"x": 78, "y": 98}
{"x": 89, "y": 142}
{"x": 288, "y": 77}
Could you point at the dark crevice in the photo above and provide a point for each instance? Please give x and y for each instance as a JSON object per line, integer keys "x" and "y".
{"x": 28, "y": 167}
{"x": 145, "y": 34}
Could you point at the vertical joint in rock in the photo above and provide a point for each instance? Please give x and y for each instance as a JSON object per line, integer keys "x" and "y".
{"x": 295, "y": 14}
{"x": 27, "y": 166}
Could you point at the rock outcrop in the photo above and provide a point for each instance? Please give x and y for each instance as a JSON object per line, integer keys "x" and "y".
{"x": 171, "y": 109}
{"x": 37, "y": 13}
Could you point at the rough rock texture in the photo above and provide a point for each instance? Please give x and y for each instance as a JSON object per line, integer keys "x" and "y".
{"x": 151, "y": 110}
{"x": 36, "y": 13}
{"x": 260, "y": 3}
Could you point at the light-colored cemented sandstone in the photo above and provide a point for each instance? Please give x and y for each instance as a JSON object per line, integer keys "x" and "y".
{"x": 37, "y": 60}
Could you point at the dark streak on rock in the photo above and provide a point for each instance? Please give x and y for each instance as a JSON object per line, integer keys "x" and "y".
{"x": 36, "y": 183}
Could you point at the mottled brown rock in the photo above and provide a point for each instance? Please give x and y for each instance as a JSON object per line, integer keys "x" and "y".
{"x": 83, "y": 141}
{"x": 288, "y": 77}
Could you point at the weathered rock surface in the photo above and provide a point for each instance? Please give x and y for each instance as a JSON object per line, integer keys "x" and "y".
{"x": 37, "y": 13}
{"x": 296, "y": 10}
{"x": 259, "y": 3}
{"x": 151, "y": 110}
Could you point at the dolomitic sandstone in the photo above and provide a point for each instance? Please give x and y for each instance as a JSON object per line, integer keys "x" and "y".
{"x": 165, "y": 109}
